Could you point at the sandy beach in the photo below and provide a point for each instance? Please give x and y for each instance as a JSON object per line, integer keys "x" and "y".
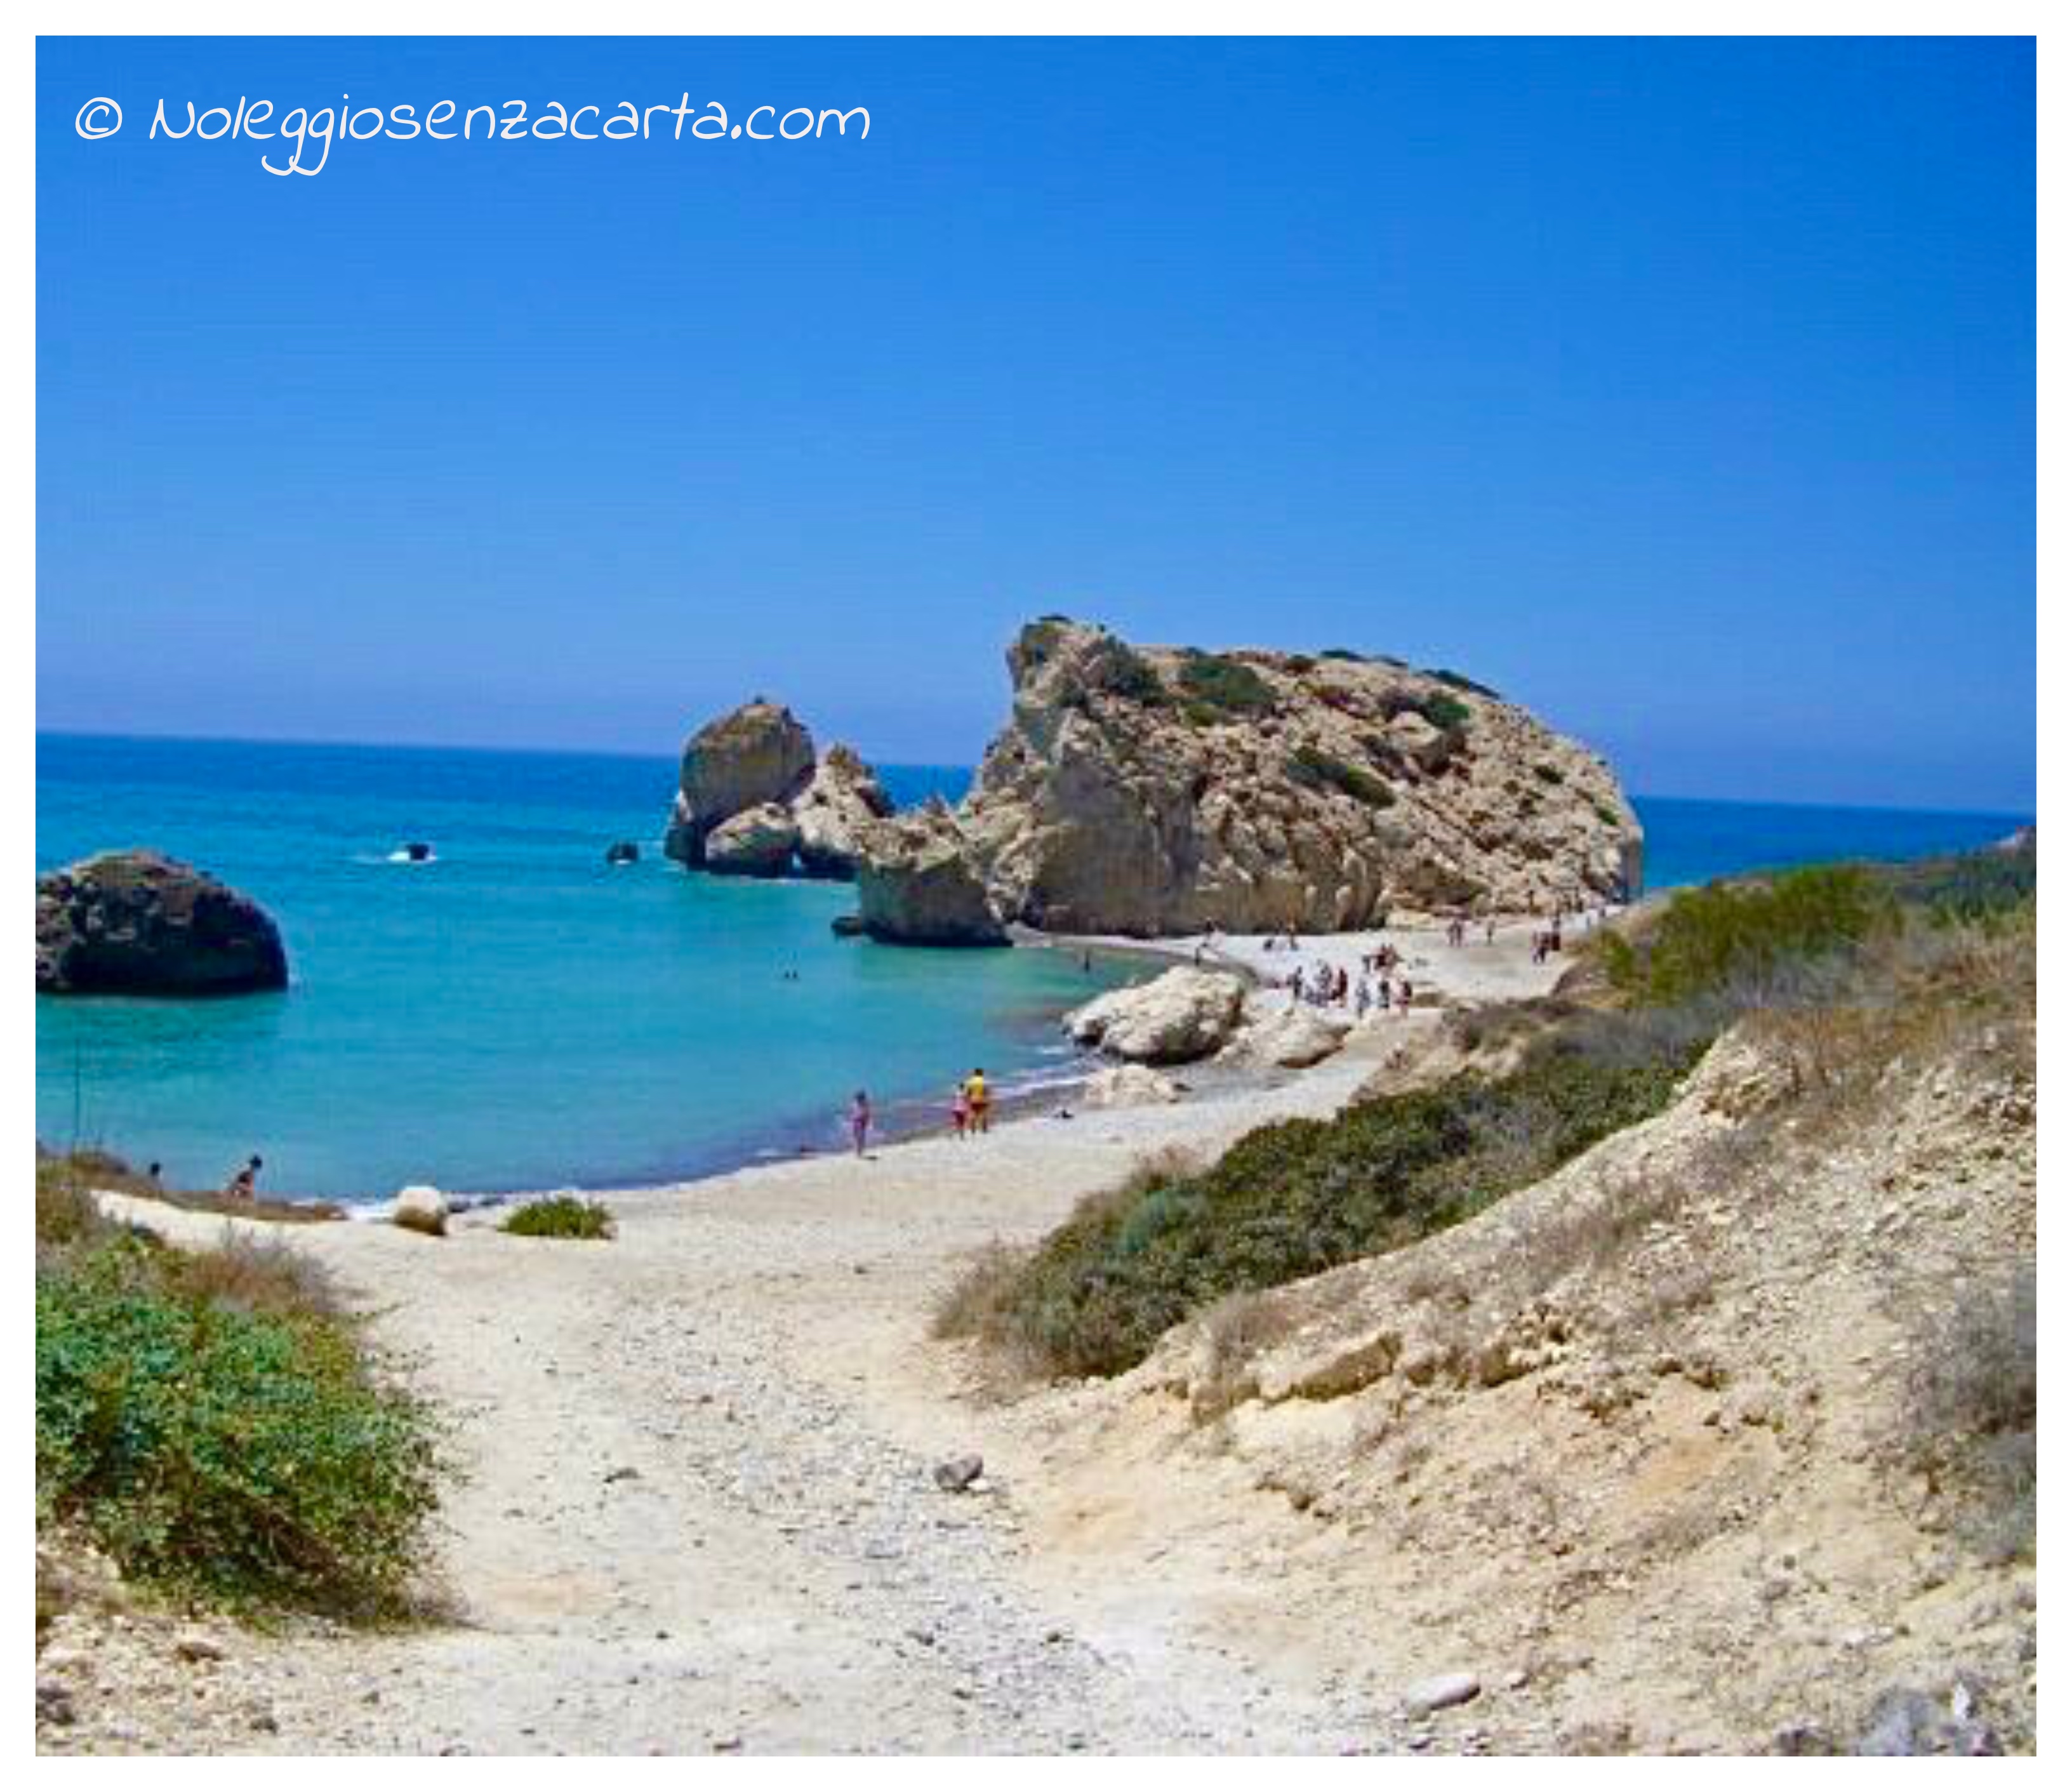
{"x": 698, "y": 1511}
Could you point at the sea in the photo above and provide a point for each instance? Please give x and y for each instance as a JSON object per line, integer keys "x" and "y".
{"x": 517, "y": 1014}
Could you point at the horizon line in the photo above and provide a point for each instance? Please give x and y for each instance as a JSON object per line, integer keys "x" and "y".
{"x": 2027, "y": 816}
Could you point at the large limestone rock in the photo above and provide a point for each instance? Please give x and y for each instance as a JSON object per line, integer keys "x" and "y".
{"x": 833, "y": 811}
{"x": 1292, "y": 1039}
{"x": 917, "y": 884}
{"x": 758, "y": 754}
{"x": 138, "y": 923}
{"x": 755, "y": 803}
{"x": 1175, "y": 1018}
{"x": 1129, "y": 1086}
{"x": 757, "y": 843}
{"x": 1158, "y": 790}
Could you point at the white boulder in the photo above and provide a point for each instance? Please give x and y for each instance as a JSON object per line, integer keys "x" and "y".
{"x": 422, "y": 1208}
{"x": 1129, "y": 1086}
{"x": 1174, "y": 1019}
{"x": 1293, "y": 1040}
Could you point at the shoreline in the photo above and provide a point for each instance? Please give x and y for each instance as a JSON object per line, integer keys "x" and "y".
{"x": 1466, "y": 975}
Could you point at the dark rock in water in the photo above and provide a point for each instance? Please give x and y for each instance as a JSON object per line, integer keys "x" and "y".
{"x": 621, "y": 852}
{"x": 417, "y": 852}
{"x": 138, "y": 923}
{"x": 846, "y": 927}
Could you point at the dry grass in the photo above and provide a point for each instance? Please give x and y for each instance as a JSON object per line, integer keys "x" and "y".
{"x": 1235, "y": 1331}
{"x": 1968, "y": 1422}
{"x": 250, "y": 1274}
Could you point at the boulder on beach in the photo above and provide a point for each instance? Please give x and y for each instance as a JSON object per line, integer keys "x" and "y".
{"x": 422, "y": 1208}
{"x": 757, "y": 843}
{"x": 139, "y": 924}
{"x": 1182, "y": 1015}
{"x": 917, "y": 884}
{"x": 1293, "y": 1040}
{"x": 759, "y": 753}
{"x": 1129, "y": 1086}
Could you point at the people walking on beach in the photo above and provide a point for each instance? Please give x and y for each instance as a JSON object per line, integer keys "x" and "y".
{"x": 959, "y": 1113}
{"x": 978, "y": 1099}
{"x": 244, "y": 1184}
{"x": 1403, "y": 997}
{"x": 1489, "y": 931}
{"x": 859, "y": 1120}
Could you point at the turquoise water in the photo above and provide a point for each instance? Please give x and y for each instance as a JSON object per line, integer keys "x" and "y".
{"x": 518, "y": 1014}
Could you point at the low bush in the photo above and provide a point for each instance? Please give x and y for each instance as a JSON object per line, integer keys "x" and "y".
{"x": 1968, "y": 1422}
{"x": 1462, "y": 682}
{"x": 1341, "y": 653}
{"x": 562, "y": 1216}
{"x": 211, "y": 1421}
{"x": 1293, "y": 1199}
{"x": 1967, "y": 886}
{"x": 1447, "y": 714}
{"x": 1128, "y": 674}
{"x": 1548, "y": 772}
{"x": 1311, "y": 765}
{"x": 1746, "y": 937}
{"x": 1214, "y": 687}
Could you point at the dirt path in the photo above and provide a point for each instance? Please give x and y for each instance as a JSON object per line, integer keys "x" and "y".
{"x": 699, "y": 1510}
{"x": 695, "y": 1517}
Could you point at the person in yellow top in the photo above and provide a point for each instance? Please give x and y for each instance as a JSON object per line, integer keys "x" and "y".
{"x": 978, "y": 1100}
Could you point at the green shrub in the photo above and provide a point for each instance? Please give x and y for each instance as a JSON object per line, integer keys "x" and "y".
{"x": 1128, "y": 674}
{"x": 1606, "y": 813}
{"x": 1967, "y": 886}
{"x": 1462, "y": 682}
{"x": 562, "y": 1216}
{"x": 1341, "y": 653}
{"x": 221, "y": 1433}
{"x": 1216, "y": 688}
{"x": 1293, "y": 1199}
{"x": 1745, "y": 936}
{"x": 1548, "y": 773}
{"x": 1301, "y": 663}
{"x": 1447, "y": 714}
{"x": 1311, "y": 765}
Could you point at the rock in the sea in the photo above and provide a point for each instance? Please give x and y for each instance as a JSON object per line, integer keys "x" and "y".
{"x": 1129, "y": 1086}
{"x": 1293, "y": 1040}
{"x": 833, "y": 811}
{"x": 754, "y": 801}
{"x": 1177, "y": 1018}
{"x": 758, "y": 754}
{"x": 1162, "y": 791}
{"x": 757, "y": 843}
{"x": 622, "y": 852}
{"x": 917, "y": 884}
{"x": 138, "y": 923}
{"x": 422, "y": 1208}
{"x": 846, "y": 927}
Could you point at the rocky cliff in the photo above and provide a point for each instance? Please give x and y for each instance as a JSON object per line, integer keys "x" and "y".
{"x": 1154, "y": 790}
{"x": 753, "y": 800}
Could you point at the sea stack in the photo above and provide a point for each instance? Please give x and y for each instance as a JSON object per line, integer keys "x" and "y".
{"x": 755, "y": 801}
{"x": 138, "y": 923}
{"x": 1158, "y": 790}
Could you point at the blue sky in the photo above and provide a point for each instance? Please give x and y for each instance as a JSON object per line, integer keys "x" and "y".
{"x": 1684, "y": 390}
